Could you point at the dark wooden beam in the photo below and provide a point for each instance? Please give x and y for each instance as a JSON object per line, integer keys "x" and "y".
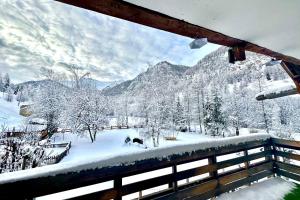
{"x": 293, "y": 70}
{"x": 140, "y": 15}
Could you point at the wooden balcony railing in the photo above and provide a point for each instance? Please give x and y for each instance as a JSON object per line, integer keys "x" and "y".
{"x": 256, "y": 160}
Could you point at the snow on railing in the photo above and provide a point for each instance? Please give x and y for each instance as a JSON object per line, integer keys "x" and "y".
{"x": 128, "y": 159}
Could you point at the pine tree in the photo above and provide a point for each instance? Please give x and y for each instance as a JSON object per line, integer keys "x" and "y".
{"x": 6, "y": 82}
{"x": 179, "y": 120}
{"x": 214, "y": 116}
{"x": 1, "y": 83}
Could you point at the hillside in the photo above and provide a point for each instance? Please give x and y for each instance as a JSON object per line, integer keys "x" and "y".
{"x": 161, "y": 73}
{"x": 9, "y": 115}
{"x": 236, "y": 85}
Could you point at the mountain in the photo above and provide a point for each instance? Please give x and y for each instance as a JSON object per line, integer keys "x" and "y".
{"x": 39, "y": 83}
{"x": 93, "y": 82}
{"x": 162, "y": 72}
{"x": 213, "y": 68}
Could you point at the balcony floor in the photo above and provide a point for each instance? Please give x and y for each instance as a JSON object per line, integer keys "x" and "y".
{"x": 270, "y": 189}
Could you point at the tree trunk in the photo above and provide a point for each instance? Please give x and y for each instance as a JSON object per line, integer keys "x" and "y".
{"x": 90, "y": 133}
{"x": 199, "y": 112}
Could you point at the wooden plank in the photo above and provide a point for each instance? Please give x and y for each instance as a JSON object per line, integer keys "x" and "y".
{"x": 146, "y": 184}
{"x": 280, "y": 172}
{"x": 255, "y": 168}
{"x": 196, "y": 171}
{"x": 242, "y": 159}
{"x": 287, "y": 167}
{"x": 245, "y": 173}
{"x": 287, "y": 155}
{"x": 101, "y": 195}
{"x": 140, "y": 15}
{"x": 234, "y": 185}
{"x": 293, "y": 72}
{"x": 191, "y": 191}
{"x": 291, "y": 144}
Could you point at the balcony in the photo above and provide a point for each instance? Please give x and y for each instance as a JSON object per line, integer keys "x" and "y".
{"x": 223, "y": 169}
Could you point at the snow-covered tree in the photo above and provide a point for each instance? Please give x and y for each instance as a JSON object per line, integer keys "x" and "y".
{"x": 6, "y": 81}
{"x": 214, "y": 118}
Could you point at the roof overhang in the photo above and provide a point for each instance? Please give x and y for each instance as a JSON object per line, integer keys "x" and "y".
{"x": 268, "y": 27}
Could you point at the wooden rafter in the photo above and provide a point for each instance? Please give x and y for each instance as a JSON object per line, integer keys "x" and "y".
{"x": 293, "y": 71}
{"x": 140, "y": 15}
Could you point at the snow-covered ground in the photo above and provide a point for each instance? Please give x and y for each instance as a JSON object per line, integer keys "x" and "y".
{"x": 270, "y": 189}
{"x": 110, "y": 143}
{"x": 9, "y": 114}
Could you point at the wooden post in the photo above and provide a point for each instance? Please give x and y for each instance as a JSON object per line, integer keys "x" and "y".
{"x": 174, "y": 184}
{"x": 212, "y": 161}
{"x": 275, "y": 157}
{"x": 118, "y": 188}
{"x": 247, "y": 164}
{"x": 266, "y": 148}
{"x": 268, "y": 157}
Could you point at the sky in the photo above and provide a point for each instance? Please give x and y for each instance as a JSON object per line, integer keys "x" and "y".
{"x": 45, "y": 33}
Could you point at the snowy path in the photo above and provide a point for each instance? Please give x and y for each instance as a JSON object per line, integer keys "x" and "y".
{"x": 271, "y": 189}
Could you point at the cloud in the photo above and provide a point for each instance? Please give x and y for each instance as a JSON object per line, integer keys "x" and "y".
{"x": 42, "y": 33}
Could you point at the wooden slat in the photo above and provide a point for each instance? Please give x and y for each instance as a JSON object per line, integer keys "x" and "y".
{"x": 234, "y": 185}
{"x": 191, "y": 191}
{"x": 287, "y": 167}
{"x": 242, "y": 159}
{"x": 213, "y": 190}
{"x": 245, "y": 173}
{"x": 286, "y": 143}
{"x": 101, "y": 195}
{"x": 146, "y": 184}
{"x": 287, "y": 174}
{"x": 196, "y": 171}
{"x": 287, "y": 155}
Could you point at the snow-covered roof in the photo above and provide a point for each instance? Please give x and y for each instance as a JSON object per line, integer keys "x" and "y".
{"x": 273, "y": 24}
{"x": 275, "y": 89}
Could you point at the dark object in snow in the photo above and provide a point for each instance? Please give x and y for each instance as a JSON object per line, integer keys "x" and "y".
{"x": 127, "y": 140}
{"x": 183, "y": 129}
{"x": 237, "y": 132}
{"x": 138, "y": 140}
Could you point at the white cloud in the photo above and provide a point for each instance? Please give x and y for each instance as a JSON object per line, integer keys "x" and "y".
{"x": 35, "y": 33}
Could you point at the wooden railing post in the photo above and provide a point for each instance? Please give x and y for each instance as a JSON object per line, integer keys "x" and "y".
{"x": 268, "y": 147}
{"x": 275, "y": 157}
{"x": 118, "y": 188}
{"x": 174, "y": 184}
{"x": 214, "y": 174}
{"x": 247, "y": 163}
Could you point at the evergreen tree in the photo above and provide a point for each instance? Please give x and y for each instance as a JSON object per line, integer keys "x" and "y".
{"x": 214, "y": 116}
{"x": 1, "y": 83}
{"x": 6, "y": 82}
{"x": 179, "y": 120}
